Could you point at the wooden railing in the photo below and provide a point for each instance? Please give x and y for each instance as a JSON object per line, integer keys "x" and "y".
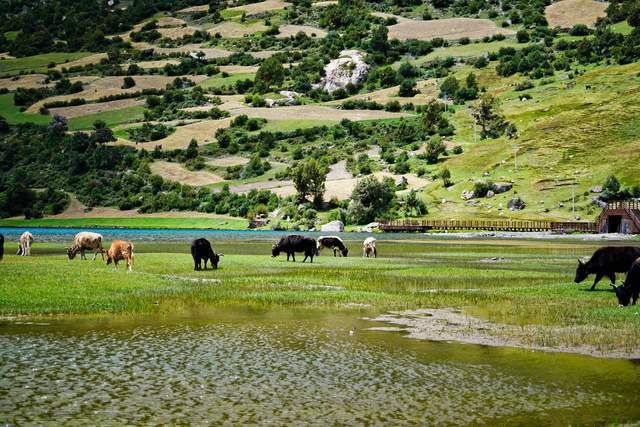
{"x": 421, "y": 225}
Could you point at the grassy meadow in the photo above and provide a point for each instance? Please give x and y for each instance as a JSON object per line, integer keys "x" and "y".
{"x": 531, "y": 283}
{"x": 37, "y": 63}
{"x": 131, "y": 222}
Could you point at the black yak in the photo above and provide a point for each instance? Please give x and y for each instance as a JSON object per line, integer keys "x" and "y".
{"x": 333, "y": 242}
{"x": 201, "y": 250}
{"x": 631, "y": 287}
{"x": 1, "y": 247}
{"x": 295, "y": 243}
{"x": 606, "y": 262}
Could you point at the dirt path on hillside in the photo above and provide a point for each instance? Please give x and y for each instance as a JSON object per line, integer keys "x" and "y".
{"x": 453, "y": 325}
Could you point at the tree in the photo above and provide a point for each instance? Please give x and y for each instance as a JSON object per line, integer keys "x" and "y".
{"x": 192, "y": 150}
{"x": 523, "y": 36}
{"x": 449, "y": 87}
{"x": 270, "y": 73}
{"x": 371, "y": 199}
{"x": 433, "y": 120}
{"x": 128, "y": 82}
{"x": 414, "y": 206}
{"x": 102, "y": 133}
{"x": 407, "y": 88}
{"x": 309, "y": 179}
{"x": 488, "y": 115}
{"x": 435, "y": 147}
{"x": 445, "y": 175}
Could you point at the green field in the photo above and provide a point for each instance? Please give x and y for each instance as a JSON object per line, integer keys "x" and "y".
{"x": 406, "y": 275}
{"x": 37, "y": 63}
{"x": 468, "y": 50}
{"x": 112, "y": 118}
{"x": 13, "y": 115}
{"x": 218, "y": 81}
{"x": 135, "y": 222}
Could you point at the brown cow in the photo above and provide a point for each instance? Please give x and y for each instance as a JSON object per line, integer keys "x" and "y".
{"x": 120, "y": 250}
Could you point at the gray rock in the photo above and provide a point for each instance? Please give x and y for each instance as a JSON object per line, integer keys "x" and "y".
{"x": 600, "y": 203}
{"x": 502, "y": 187}
{"x": 369, "y": 228}
{"x": 516, "y": 204}
{"x": 348, "y": 68}
{"x": 333, "y": 226}
{"x": 467, "y": 195}
{"x": 490, "y": 194}
{"x": 597, "y": 189}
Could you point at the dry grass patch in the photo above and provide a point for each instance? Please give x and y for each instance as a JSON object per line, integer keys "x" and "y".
{"x": 195, "y": 9}
{"x": 27, "y": 81}
{"x": 91, "y": 59}
{"x": 263, "y": 54}
{"x": 264, "y": 6}
{"x": 428, "y": 90}
{"x": 203, "y": 132}
{"x": 292, "y": 30}
{"x": 226, "y": 161}
{"x": 170, "y": 21}
{"x": 177, "y": 32}
{"x": 324, "y": 3}
{"x": 310, "y": 112}
{"x": 157, "y": 64}
{"x": 177, "y": 172}
{"x": 450, "y": 29}
{"x": 233, "y": 30}
{"x": 86, "y": 109}
{"x": 98, "y": 87}
{"x": 390, "y": 15}
{"x": 238, "y": 69}
{"x": 567, "y": 13}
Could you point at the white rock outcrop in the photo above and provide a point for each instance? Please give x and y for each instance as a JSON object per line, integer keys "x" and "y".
{"x": 335, "y": 226}
{"x": 349, "y": 67}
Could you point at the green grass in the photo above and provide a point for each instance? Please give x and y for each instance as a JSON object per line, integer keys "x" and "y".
{"x": 622, "y": 28}
{"x": 134, "y": 222}
{"x": 463, "y": 51}
{"x": 11, "y": 35}
{"x": 37, "y": 63}
{"x": 291, "y": 125}
{"x": 218, "y": 81}
{"x": 533, "y": 285}
{"x": 13, "y": 114}
{"x": 112, "y": 118}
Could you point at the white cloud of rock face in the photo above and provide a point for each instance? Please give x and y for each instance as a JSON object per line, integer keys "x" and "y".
{"x": 349, "y": 67}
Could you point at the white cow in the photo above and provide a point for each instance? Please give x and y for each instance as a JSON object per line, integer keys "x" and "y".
{"x": 369, "y": 247}
{"x": 25, "y": 241}
{"x": 86, "y": 241}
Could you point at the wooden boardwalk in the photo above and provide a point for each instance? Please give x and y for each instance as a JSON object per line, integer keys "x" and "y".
{"x": 423, "y": 225}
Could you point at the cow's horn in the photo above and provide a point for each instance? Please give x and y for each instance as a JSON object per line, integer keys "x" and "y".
{"x": 220, "y": 254}
{"x": 613, "y": 286}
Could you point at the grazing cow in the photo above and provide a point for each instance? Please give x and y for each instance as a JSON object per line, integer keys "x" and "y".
{"x": 369, "y": 247}
{"x": 333, "y": 242}
{"x": 295, "y": 243}
{"x": 201, "y": 250}
{"x": 631, "y": 287}
{"x": 606, "y": 262}
{"x": 120, "y": 250}
{"x": 26, "y": 240}
{"x": 1, "y": 247}
{"x": 86, "y": 241}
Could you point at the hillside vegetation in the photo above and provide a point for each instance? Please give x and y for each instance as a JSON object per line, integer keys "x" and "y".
{"x": 447, "y": 109}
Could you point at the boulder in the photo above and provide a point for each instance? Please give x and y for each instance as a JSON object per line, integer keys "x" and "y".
{"x": 402, "y": 182}
{"x": 502, "y": 187}
{"x": 490, "y": 194}
{"x": 467, "y": 195}
{"x": 369, "y": 228}
{"x": 597, "y": 189}
{"x": 600, "y": 203}
{"x": 516, "y": 204}
{"x": 349, "y": 67}
{"x": 333, "y": 226}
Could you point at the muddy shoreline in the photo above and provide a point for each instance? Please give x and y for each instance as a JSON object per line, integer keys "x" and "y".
{"x": 453, "y": 325}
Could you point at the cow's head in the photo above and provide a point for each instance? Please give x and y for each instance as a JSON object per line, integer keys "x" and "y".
{"x": 109, "y": 259}
{"x": 275, "y": 250}
{"x": 581, "y": 272}
{"x": 345, "y": 251}
{"x": 215, "y": 259}
{"x": 623, "y": 296}
{"x": 71, "y": 253}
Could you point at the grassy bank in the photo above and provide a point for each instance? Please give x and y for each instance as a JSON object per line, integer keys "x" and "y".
{"x": 531, "y": 285}
{"x": 133, "y": 222}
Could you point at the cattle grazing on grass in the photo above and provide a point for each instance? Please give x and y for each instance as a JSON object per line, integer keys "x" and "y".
{"x": 201, "y": 250}
{"x": 631, "y": 287}
{"x": 369, "y": 248}
{"x": 606, "y": 262}
{"x": 25, "y": 242}
{"x": 1, "y": 247}
{"x": 119, "y": 251}
{"x": 295, "y": 243}
{"x": 86, "y": 241}
{"x": 333, "y": 242}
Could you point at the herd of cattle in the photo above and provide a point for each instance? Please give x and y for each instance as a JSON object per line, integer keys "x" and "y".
{"x": 605, "y": 262}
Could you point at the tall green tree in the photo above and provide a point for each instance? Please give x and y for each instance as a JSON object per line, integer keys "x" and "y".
{"x": 270, "y": 73}
{"x": 488, "y": 114}
{"x": 309, "y": 180}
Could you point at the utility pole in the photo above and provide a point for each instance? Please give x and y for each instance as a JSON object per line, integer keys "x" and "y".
{"x": 516, "y": 157}
{"x": 573, "y": 197}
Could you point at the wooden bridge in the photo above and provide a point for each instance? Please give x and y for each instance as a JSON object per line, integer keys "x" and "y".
{"x": 423, "y": 225}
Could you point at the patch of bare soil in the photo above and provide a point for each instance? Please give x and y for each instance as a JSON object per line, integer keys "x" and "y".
{"x": 227, "y": 161}
{"x": 209, "y": 53}
{"x": 324, "y": 3}
{"x": 177, "y": 172}
{"x": 98, "y": 87}
{"x": 91, "y": 59}
{"x": 86, "y": 109}
{"x": 455, "y": 326}
{"x": 450, "y": 29}
{"x": 27, "y": 81}
{"x": 263, "y": 185}
{"x": 390, "y": 15}
{"x": 170, "y": 21}
{"x": 238, "y": 69}
{"x": 309, "y": 112}
{"x": 176, "y": 32}
{"x": 428, "y": 90}
{"x": 261, "y": 7}
{"x": 292, "y": 30}
{"x": 157, "y": 64}
{"x": 339, "y": 171}
{"x": 567, "y": 13}
{"x": 263, "y": 54}
{"x": 202, "y": 131}
{"x": 229, "y": 29}
{"x": 195, "y": 9}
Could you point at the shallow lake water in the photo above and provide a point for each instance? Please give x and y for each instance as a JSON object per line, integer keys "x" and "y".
{"x": 291, "y": 366}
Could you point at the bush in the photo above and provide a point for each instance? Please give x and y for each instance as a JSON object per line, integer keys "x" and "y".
{"x": 580, "y": 30}
{"x": 523, "y": 36}
{"x": 407, "y": 88}
{"x": 371, "y": 199}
